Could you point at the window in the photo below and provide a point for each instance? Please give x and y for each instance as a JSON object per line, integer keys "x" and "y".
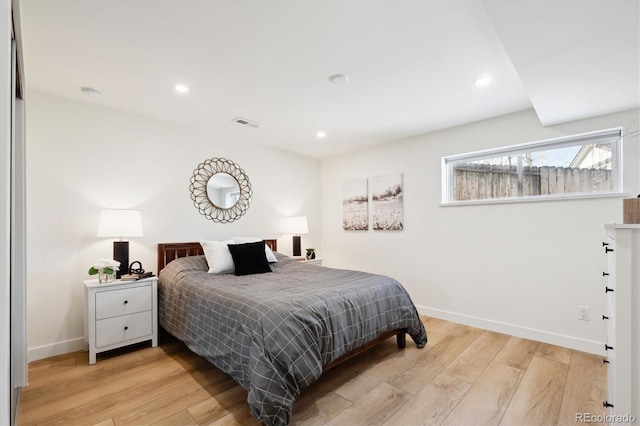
{"x": 232, "y": 198}
{"x": 573, "y": 166}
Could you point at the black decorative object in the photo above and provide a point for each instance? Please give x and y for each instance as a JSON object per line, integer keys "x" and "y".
{"x": 138, "y": 270}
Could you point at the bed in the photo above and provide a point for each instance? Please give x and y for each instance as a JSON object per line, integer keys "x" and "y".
{"x": 275, "y": 333}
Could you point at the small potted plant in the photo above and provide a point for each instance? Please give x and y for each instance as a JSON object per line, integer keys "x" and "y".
{"x": 105, "y": 269}
{"x": 311, "y": 253}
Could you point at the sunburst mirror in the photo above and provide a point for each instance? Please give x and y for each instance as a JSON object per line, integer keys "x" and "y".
{"x": 220, "y": 190}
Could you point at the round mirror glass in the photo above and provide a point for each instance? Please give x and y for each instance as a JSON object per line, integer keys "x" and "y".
{"x": 223, "y": 190}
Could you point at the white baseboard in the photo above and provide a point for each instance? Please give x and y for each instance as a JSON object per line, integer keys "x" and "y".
{"x": 570, "y": 342}
{"x": 59, "y": 348}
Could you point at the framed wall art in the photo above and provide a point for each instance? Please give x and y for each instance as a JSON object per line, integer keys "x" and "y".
{"x": 355, "y": 205}
{"x": 386, "y": 202}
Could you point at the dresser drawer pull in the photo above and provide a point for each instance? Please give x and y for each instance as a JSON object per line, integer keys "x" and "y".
{"x": 604, "y": 274}
{"x": 607, "y": 290}
{"x": 604, "y": 361}
{"x": 604, "y": 317}
{"x": 606, "y": 404}
{"x": 607, "y": 347}
{"x": 604, "y": 244}
{"x": 126, "y": 328}
{"x": 126, "y": 301}
{"x": 607, "y": 249}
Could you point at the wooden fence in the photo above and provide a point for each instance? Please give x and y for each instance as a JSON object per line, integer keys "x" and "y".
{"x": 481, "y": 181}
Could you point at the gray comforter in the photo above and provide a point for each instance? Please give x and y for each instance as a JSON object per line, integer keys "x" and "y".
{"x": 274, "y": 332}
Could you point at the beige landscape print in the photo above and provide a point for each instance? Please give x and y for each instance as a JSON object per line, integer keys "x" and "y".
{"x": 386, "y": 202}
{"x": 355, "y": 205}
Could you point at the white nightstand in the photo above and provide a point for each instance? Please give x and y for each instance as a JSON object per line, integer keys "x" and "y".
{"x": 119, "y": 313}
{"x": 313, "y": 262}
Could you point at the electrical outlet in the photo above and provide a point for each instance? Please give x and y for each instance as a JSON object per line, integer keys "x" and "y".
{"x": 584, "y": 313}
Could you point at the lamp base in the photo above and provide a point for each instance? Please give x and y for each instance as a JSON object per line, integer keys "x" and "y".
{"x": 296, "y": 246}
{"x": 121, "y": 254}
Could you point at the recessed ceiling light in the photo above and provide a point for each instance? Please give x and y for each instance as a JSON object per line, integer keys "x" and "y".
{"x": 320, "y": 134}
{"x": 181, "y": 88}
{"x": 482, "y": 81}
{"x": 338, "y": 79}
{"x": 92, "y": 93}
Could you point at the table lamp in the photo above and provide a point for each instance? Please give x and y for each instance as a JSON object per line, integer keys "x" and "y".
{"x": 296, "y": 225}
{"x": 120, "y": 224}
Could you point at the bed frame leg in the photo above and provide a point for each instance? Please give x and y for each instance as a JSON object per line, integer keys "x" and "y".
{"x": 401, "y": 337}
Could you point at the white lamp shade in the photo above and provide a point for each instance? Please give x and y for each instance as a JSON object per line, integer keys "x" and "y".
{"x": 120, "y": 223}
{"x": 296, "y": 225}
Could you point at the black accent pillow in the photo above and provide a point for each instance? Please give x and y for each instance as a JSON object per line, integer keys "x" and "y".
{"x": 249, "y": 258}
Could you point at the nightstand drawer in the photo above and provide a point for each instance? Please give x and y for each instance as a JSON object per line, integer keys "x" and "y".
{"x": 123, "y": 328}
{"x": 122, "y": 302}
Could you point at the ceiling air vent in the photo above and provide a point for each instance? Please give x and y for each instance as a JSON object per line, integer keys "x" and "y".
{"x": 245, "y": 122}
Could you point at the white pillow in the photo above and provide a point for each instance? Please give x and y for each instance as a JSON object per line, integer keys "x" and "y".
{"x": 218, "y": 256}
{"x": 271, "y": 258}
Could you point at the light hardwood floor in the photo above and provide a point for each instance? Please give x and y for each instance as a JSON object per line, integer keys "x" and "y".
{"x": 464, "y": 376}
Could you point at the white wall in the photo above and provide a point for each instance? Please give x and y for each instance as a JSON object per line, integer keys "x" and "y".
{"x": 520, "y": 268}
{"x": 82, "y": 158}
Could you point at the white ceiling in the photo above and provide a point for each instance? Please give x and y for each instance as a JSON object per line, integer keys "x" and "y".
{"x": 411, "y": 64}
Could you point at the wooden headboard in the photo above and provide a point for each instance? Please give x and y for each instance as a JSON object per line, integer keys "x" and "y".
{"x": 170, "y": 251}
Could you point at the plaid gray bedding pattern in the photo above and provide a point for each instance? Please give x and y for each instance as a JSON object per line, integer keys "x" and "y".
{"x": 272, "y": 333}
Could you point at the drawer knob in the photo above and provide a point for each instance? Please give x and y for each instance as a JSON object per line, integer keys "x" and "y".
{"x": 604, "y": 361}
{"x": 604, "y": 317}
{"x": 607, "y": 290}
{"x": 604, "y": 244}
{"x": 607, "y": 347}
{"x": 126, "y": 328}
{"x": 606, "y": 404}
{"x": 126, "y": 301}
{"x": 607, "y": 249}
{"x": 604, "y": 274}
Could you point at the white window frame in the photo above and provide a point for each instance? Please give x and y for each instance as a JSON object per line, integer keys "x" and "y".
{"x": 574, "y": 140}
